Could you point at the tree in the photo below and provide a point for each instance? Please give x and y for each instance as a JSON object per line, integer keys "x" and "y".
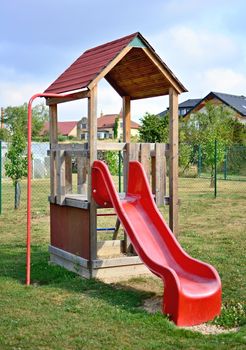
{"x": 238, "y": 132}
{"x": 153, "y": 128}
{"x": 203, "y": 128}
{"x": 16, "y": 161}
{"x": 116, "y": 127}
{"x": 4, "y": 134}
{"x": 19, "y": 114}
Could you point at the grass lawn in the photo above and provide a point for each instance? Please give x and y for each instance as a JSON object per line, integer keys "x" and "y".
{"x": 62, "y": 311}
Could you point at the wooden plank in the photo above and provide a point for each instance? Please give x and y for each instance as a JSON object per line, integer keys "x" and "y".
{"x": 126, "y": 100}
{"x": 76, "y": 203}
{"x": 126, "y": 110}
{"x": 68, "y": 256}
{"x": 134, "y": 151}
{"x": 68, "y": 174}
{"x": 53, "y": 141}
{"x": 153, "y": 175}
{"x": 81, "y": 175}
{"x": 145, "y": 158}
{"x": 60, "y": 171}
{"x": 68, "y": 98}
{"x": 108, "y": 68}
{"x": 173, "y": 161}
{"x": 179, "y": 88}
{"x": 92, "y": 133}
{"x": 77, "y": 153}
{"x": 107, "y": 146}
{"x": 69, "y": 147}
{"x": 160, "y": 174}
{"x": 129, "y": 260}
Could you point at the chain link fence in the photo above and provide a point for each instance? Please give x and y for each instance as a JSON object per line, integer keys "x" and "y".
{"x": 212, "y": 170}
{"x": 199, "y": 177}
{"x": 40, "y": 180}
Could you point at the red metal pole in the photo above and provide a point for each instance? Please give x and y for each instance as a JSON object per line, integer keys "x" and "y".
{"x": 29, "y": 180}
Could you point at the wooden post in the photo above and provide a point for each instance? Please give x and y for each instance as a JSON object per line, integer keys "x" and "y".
{"x": 145, "y": 158}
{"x": 126, "y": 133}
{"x": 160, "y": 173}
{"x": 173, "y": 160}
{"x": 126, "y": 119}
{"x": 68, "y": 174}
{"x": 92, "y": 133}
{"x": 126, "y": 138}
{"x": 81, "y": 175}
{"x": 61, "y": 180}
{"x": 53, "y": 140}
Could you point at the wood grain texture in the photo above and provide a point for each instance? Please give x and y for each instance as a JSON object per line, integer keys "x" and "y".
{"x": 92, "y": 133}
{"x": 68, "y": 174}
{"x": 68, "y": 98}
{"x": 60, "y": 175}
{"x": 145, "y": 158}
{"x": 173, "y": 161}
{"x": 82, "y": 170}
{"x": 160, "y": 173}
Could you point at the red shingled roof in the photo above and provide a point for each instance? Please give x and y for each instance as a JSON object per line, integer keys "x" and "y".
{"x": 108, "y": 120}
{"x": 64, "y": 128}
{"x": 88, "y": 66}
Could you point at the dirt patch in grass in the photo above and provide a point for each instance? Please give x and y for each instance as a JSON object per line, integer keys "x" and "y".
{"x": 153, "y": 305}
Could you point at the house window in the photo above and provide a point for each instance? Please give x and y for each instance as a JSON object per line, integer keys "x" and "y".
{"x": 84, "y": 126}
{"x": 121, "y": 124}
{"x": 84, "y": 136}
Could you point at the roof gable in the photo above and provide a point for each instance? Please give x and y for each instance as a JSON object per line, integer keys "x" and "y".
{"x": 237, "y": 103}
{"x": 129, "y": 64}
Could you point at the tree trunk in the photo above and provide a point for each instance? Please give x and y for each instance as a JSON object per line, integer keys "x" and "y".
{"x": 17, "y": 194}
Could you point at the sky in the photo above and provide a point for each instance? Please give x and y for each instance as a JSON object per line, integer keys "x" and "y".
{"x": 202, "y": 42}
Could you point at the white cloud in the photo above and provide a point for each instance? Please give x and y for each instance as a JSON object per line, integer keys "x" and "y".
{"x": 191, "y": 48}
{"x": 224, "y": 80}
{"x": 14, "y": 94}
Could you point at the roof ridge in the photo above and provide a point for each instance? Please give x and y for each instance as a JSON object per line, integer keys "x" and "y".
{"x": 224, "y": 93}
{"x": 112, "y": 42}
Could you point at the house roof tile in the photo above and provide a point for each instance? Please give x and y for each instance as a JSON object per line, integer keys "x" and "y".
{"x": 88, "y": 66}
{"x": 108, "y": 121}
{"x": 64, "y": 128}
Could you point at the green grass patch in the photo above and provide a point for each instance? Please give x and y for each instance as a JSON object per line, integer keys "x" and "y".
{"x": 62, "y": 311}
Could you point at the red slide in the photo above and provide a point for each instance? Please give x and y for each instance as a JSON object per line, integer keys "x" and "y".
{"x": 192, "y": 293}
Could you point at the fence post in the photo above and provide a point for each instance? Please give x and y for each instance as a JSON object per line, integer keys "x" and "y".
{"x": 199, "y": 160}
{"x": 0, "y": 177}
{"x": 225, "y": 164}
{"x": 215, "y": 168}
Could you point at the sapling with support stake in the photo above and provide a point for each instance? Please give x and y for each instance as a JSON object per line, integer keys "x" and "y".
{"x": 16, "y": 161}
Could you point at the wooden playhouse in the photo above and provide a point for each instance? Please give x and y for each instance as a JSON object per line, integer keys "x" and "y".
{"x": 135, "y": 71}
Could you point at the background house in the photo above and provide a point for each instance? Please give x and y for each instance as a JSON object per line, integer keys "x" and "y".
{"x": 64, "y": 128}
{"x": 184, "y": 107}
{"x": 237, "y": 104}
{"x": 106, "y": 123}
{"x": 105, "y": 127}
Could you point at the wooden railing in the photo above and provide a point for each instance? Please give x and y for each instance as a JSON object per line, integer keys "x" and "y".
{"x": 152, "y": 156}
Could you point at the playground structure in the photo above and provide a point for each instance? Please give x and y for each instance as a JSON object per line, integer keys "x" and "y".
{"x": 135, "y": 71}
